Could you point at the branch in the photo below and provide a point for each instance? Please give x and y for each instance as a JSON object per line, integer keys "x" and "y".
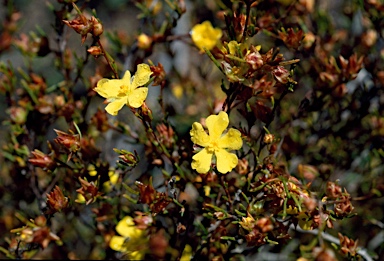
{"x": 362, "y": 251}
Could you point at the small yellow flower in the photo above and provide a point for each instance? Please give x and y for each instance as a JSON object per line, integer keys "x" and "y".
{"x": 305, "y": 222}
{"x": 207, "y": 191}
{"x": 248, "y": 222}
{"x": 215, "y": 144}
{"x": 292, "y": 210}
{"x": 205, "y": 36}
{"x": 126, "y": 90}
{"x": 177, "y": 91}
{"x": 113, "y": 178}
{"x": 187, "y": 253}
{"x": 233, "y": 46}
{"x": 132, "y": 241}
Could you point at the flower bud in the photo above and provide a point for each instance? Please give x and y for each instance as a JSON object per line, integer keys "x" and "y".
{"x": 127, "y": 157}
{"x": 369, "y": 38}
{"x": 159, "y": 74}
{"x": 81, "y": 27}
{"x": 42, "y": 160}
{"x": 144, "y": 41}
{"x": 88, "y": 190}
{"x": 18, "y": 114}
{"x": 56, "y": 201}
{"x": 97, "y": 27}
{"x": 309, "y": 40}
{"x": 69, "y": 141}
{"x": 40, "y": 221}
{"x": 291, "y": 38}
{"x": 95, "y": 51}
{"x": 147, "y": 112}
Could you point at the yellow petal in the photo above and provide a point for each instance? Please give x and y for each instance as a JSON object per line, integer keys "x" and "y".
{"x": 127, "y": 78}
{"x": 126, "y": 227}
{"x": 117, "y": 243}
{"x": 207, "y": 191}
{"x": 225, "y": 161}
{"x": 304, "y": 221}
{"x": 231, "y": 140}
{"x": 306, "y": 225}
{"x": 80, "y": 198}
{"x": 232, "y": 47}
{"x": 137, "y": 96}
{"x": 141, "y": 76}
{"x": 216, "y": 124}
{"x": 198, "y": 135}
{"x": 114, "y": 107}
{"x": 113, "y": 176}
{"x": 127, "y": 221}
{"x": 109, "y": 88}
{"x": 187, "y": 253}
{"x": 205, "y": 36}
{"x": 201, "y": 161}
{"x": 136, "y": 255}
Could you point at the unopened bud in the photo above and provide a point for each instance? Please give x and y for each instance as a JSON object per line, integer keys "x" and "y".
{"x": 147, "y": 112}
{"x": 97, "y": 27}
{"x": 69, "y": 141}
{"x": 18, "y": 114}
{"x": 144, "y": 41}
{"x": 56, "y": 201}
{"x": 40, "y": 221}
{"x": 95, "y": 51}
{"x": 42, "y": 160}
{"x": 128, "y": 158}
{"x": 308, "y": 40}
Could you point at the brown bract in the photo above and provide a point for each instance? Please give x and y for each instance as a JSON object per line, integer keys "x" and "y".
{"x": 56, "y": 201}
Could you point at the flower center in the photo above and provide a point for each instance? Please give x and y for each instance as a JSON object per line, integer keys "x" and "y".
{"x": 124, "y": 90}
{"x": 213, "y": 146}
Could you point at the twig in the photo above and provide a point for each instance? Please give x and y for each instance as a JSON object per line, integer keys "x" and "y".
{"x": 362, "y": 251}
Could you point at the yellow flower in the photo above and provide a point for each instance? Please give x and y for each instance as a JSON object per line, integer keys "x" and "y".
{"x": 248, "y": 222}
{"x": 292, "y": 210}
{"x": 132, "y": 241}
{"x": 305, "y": 222}
{"x": 80, "y": 199}
{"x": 207, "y": 191}
{"x": 113, "y": 178}
{"x": 187, "y": 253}
{"x": 215, "y": 144}
{"x": 125, "y": 91}
{"x": 205, "y": 36}
{"x": 233, "y": 46}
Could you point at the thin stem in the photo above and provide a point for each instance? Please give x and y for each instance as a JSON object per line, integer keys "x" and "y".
{"x": 277, "y": 104}
{"x": 107, "y": 59}
{"x": 246, "y": 21}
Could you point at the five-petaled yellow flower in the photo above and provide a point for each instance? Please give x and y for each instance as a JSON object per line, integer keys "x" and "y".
{"x": 127, "y": 90}
{"x": 205, "y": 36}
{"x": 132, "y": 241}
{"x": 215, "y": 143}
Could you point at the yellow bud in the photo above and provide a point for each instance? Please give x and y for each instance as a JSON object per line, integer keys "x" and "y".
{"x": 144, "y": 41}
